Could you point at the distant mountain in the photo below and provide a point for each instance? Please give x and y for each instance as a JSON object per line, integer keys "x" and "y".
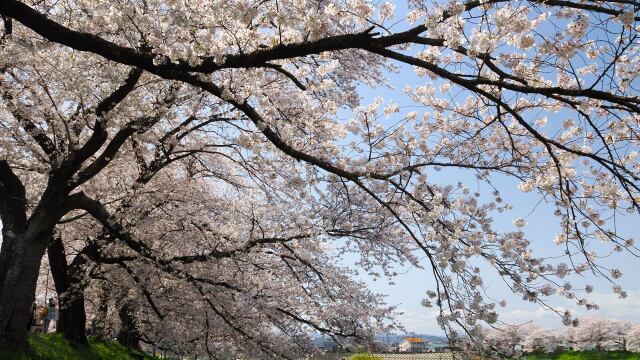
{"x": 388, "y": 338}
{"x": 391, "y": 338}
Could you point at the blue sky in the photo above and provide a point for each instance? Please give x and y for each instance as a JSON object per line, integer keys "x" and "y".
{"x": 410, "y": 286}
{"x": 412, "y": 283}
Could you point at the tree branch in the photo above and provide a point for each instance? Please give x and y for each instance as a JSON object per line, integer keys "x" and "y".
{"x": 99, "y": 135}
{"x": 12, "y": 198}
{"x": 82, "y": 41}
{"x": 138, "y": 125}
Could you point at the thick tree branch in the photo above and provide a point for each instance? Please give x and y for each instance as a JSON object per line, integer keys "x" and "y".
{"x": 143, "y": 289}
{"x": 99, "y": 135}
{"x": 225, "y": 254}
{"x": 99, "y": 212}
{"x": 112, "y": 149}
{"x": 28, "y": 125}
{"x": 82, "y": 41}
{"x": 12, "y": 197}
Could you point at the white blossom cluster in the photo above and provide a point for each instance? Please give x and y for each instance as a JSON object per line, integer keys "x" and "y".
{"x": 591, "y": 334}
{"x": 245, "y": 159}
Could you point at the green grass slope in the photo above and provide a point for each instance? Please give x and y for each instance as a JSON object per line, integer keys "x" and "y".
{"x": 55, "y": 347}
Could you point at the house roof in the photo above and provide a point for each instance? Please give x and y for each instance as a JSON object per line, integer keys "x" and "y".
{"x": 414, "y": 340}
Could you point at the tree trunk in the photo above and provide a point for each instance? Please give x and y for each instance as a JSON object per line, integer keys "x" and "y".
{"x": 73, "y": 320}
{"x": 23, "y": 245}
{"x": 72, "y": 317}
{"x": 98, "y": 323}
{"x": 19, "y": 269}
{"x": 128, "y": 336}
{"x": 19, "y": 265}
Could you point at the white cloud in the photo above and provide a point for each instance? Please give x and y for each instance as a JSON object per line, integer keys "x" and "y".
{"x": 423, "y": 320}
{"x": 610, "y": 307}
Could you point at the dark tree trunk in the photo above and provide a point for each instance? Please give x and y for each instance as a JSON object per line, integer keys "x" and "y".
{"x": 20, "y": 255}
{"x": 19, "y": 268}
{"x": 73, "y": 320}
{"x": 23, "y": 245}
{"x": 128, "y": 336}
{"x": 72, "y": 317}
{"x": 20, "y": 258}
{"x": 98, "y": 323}
{"x": 18, "y": 265}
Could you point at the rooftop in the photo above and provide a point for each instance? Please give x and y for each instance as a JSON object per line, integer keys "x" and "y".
{"x": 414, "y": 339}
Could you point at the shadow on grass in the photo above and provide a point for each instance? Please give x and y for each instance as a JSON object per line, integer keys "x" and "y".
{"x": 55, "y": 347}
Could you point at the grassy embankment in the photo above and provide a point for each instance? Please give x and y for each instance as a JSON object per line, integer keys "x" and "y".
{"x": 55, "y": 347}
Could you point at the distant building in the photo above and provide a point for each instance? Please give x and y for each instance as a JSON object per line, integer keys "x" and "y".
{"x": 414, "y": 344}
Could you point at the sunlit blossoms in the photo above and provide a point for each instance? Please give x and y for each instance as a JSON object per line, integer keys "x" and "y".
{"x": 590, "y": 334}
{"x": 221, "y": 158}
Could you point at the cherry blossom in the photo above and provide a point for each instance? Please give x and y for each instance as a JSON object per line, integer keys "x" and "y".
{"x": 207, "y": 143}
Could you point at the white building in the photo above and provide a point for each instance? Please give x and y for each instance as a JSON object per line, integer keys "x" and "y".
{"x": 414, "y": 344}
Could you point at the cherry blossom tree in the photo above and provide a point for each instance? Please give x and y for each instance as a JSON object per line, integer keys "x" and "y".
{"x": 253, "y": 95}
{"x": 633, "y": 338}
{"x": 204, "y": 287}
{"x": 589, "y": 334}
{"x": 598, "y": 334}
{"x": 542, "y": 340}
{"x": 505, "y": 341}
{"x": 175, "y": 169}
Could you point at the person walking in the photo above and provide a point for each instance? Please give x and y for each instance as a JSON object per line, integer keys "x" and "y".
{"x": 52, "y": 314}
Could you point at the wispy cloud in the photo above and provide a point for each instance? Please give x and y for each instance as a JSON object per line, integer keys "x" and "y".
{"x": 610, "y": 307}
{"x": 423, "y": 320}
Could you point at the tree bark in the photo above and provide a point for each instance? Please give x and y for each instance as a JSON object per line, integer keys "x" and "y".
{"x": 19, "y": 269}
{"x": 98, "y": 324}
{"x": 20, "y": 257}
{"x": 23, "y": 244}
{"x": 128, "y": 335}
{"x": 72, "y": 317}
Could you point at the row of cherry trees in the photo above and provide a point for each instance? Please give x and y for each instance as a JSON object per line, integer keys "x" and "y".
{"x": 196, "y": 171}
{"x": 165, "y": 220}
{"x": 590, "y": 334}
